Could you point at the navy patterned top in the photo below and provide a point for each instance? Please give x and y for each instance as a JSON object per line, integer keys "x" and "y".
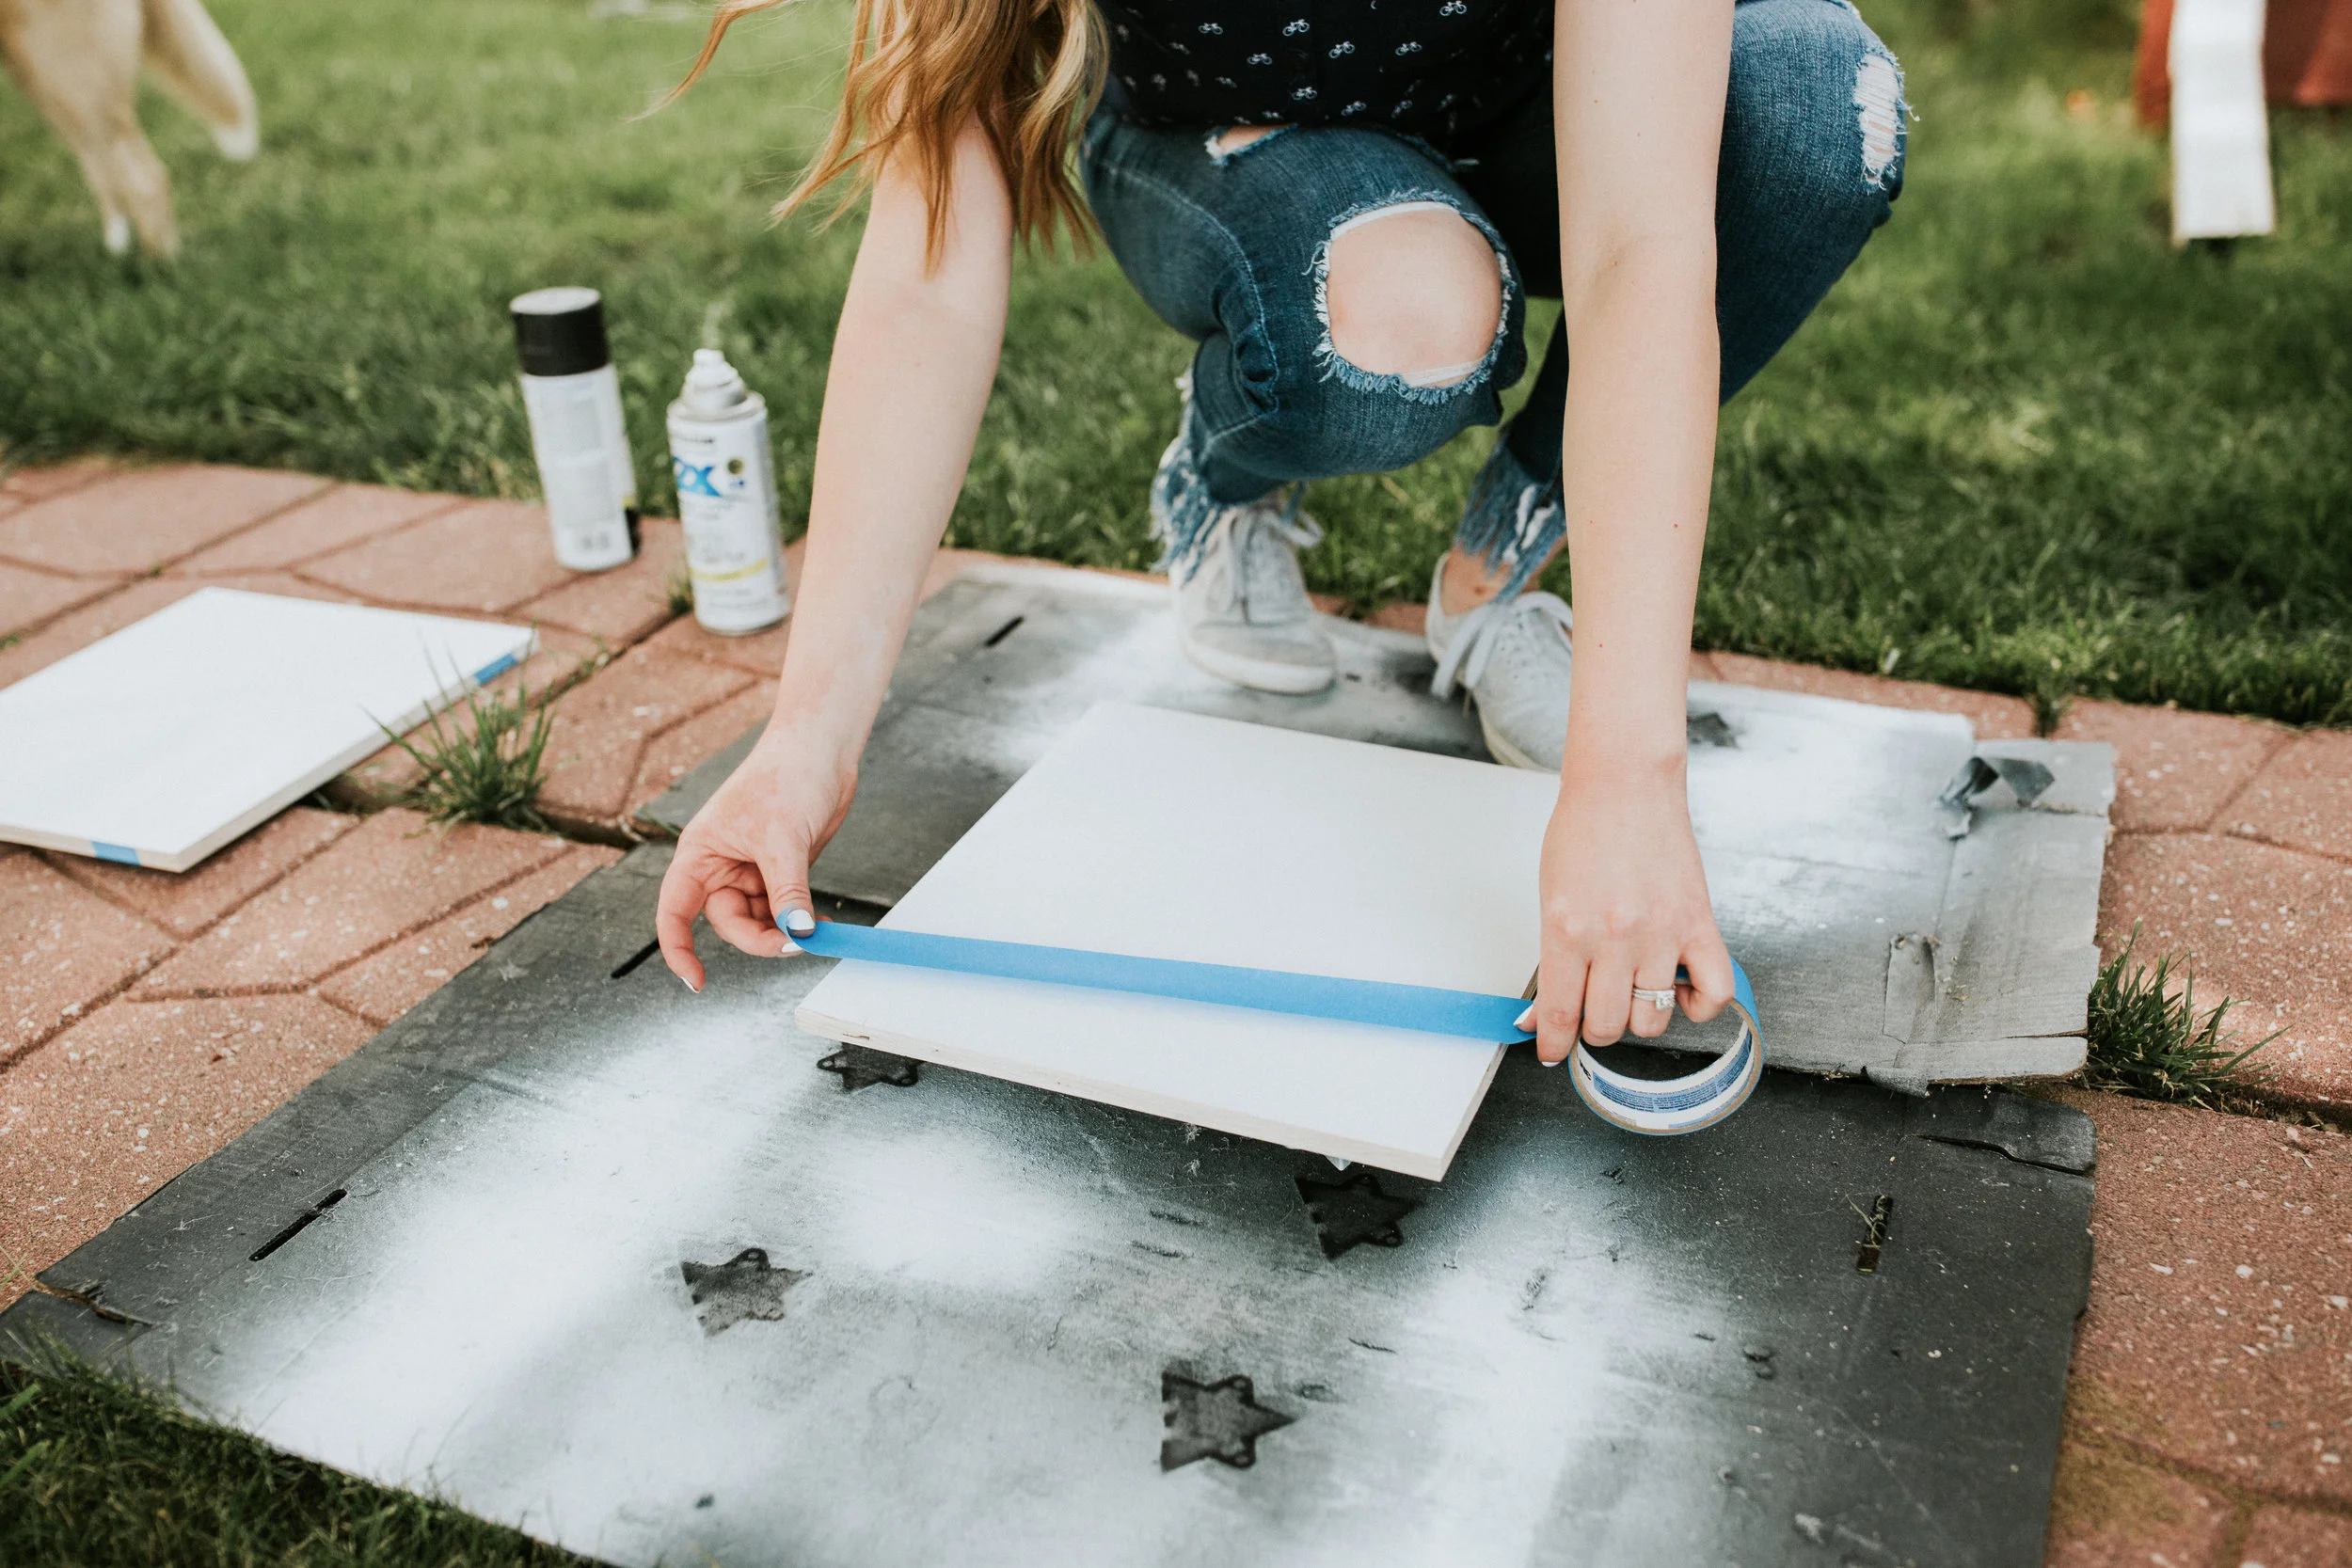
{"x": 1435, "y": 68}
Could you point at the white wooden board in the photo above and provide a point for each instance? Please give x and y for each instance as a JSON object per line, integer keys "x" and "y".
{"x": 1171, "y": 835}
{"x": 169, "y": 739}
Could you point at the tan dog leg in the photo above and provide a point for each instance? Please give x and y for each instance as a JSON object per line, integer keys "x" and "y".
{"x": 194, "y": 63}
{"x": 79, "y": 63}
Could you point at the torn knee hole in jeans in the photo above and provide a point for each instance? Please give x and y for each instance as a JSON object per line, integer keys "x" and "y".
{"x": 1436, "y": 374}
{"x": 1878, "y": 101}
{"x": 1227, "y": 142}
{"x": 1442, "y": 375}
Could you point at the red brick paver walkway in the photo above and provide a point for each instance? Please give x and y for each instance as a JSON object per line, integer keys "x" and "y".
{"x": 147, "y": 1018}
{"x": 2209, "y": 1412}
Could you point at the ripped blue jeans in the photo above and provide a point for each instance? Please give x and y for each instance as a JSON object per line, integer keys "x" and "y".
{"x": 1231, "y": 249}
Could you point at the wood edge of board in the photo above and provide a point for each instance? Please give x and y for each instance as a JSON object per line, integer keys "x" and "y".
{"x": 1426, "y": 1166}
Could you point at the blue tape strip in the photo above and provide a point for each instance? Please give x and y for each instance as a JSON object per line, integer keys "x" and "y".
{"x": 493, "y": 670}
{"x": 116, "y": 852}
{"x": 1682, "y": 1105}
{"x": 1428, "y": 1008}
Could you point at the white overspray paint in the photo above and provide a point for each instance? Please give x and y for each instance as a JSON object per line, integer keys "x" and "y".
{"x": 908, "y": 1214}
{"x": 521, "y": 1339}
{"x": 529, "y": 1232}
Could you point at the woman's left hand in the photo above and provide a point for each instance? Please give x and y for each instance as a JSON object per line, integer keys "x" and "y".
{"x": 1624, "y": 905}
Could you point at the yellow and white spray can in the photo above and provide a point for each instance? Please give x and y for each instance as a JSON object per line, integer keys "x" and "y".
{"x": 726, "y": 498}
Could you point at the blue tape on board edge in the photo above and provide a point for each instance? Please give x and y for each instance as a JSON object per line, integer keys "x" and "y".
{"x": 121, "y": 853}
{"x": 496, "y": 668}
{"x": 1428, "y": 1008}
{"x": 1639, "y": 1105}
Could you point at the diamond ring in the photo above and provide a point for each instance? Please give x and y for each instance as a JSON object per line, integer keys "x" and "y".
{"x": 1661, "y": 999}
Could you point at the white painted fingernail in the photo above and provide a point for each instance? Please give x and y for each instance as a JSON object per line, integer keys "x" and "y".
{"x": 1546, "y": 1064}
{"x": 1526, "y": 1026}
{"x": 789, "y": 949}
{"x": 690, "y": 985}
{"x": 800, "y": 922}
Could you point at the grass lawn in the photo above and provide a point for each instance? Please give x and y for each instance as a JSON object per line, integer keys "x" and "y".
{"x": 94, "y": 1474}
{"x": 2024, "y": 446}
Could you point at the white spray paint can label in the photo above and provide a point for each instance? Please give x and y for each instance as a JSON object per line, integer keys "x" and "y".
{"x": 726, "y": 498}
{"x": 573, "y": 396}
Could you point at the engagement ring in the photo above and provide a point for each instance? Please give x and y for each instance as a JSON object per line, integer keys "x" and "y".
{"x": 1661, "y": 999}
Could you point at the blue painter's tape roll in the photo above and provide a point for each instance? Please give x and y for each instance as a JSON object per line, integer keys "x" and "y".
{"x": 1640, "y": 1105}
{"x": 1678, "y": 1104}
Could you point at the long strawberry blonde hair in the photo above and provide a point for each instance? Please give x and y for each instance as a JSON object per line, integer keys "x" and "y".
{"x": 1026, "y": 71}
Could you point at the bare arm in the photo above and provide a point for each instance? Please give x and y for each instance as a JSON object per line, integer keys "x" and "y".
{"x": 1638, "y": 93}
{"x": 913, "y": 361}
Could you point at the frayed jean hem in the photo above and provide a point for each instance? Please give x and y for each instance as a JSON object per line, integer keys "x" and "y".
{"x": 1514, "y": 521}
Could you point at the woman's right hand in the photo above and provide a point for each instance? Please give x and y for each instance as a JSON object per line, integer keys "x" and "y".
{"x": 913, "y": 361}
{"x": 745, "y": 858}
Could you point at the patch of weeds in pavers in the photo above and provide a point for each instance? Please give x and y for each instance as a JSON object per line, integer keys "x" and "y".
{"x": 486, "y": 772}
{"x": 677, "y": 590}
{"x": 98, "y": 1471}
{"x": 2147, "y": 1039}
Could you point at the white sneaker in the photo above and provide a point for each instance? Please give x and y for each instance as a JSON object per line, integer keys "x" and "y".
{"x": 1242, "y": 610}
{"x": 1515, "y": 658}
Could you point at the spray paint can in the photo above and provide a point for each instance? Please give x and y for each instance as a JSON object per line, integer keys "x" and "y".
{"x": 573, "y": 396}
{"x": 726, "y": 498}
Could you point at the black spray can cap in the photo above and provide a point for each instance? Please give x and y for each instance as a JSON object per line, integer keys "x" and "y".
{"x": 561, "y": 331}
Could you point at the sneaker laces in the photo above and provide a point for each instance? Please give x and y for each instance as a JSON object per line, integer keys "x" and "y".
{"x": 1483, "y": 629}
{"x": 1257, "y": 567}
